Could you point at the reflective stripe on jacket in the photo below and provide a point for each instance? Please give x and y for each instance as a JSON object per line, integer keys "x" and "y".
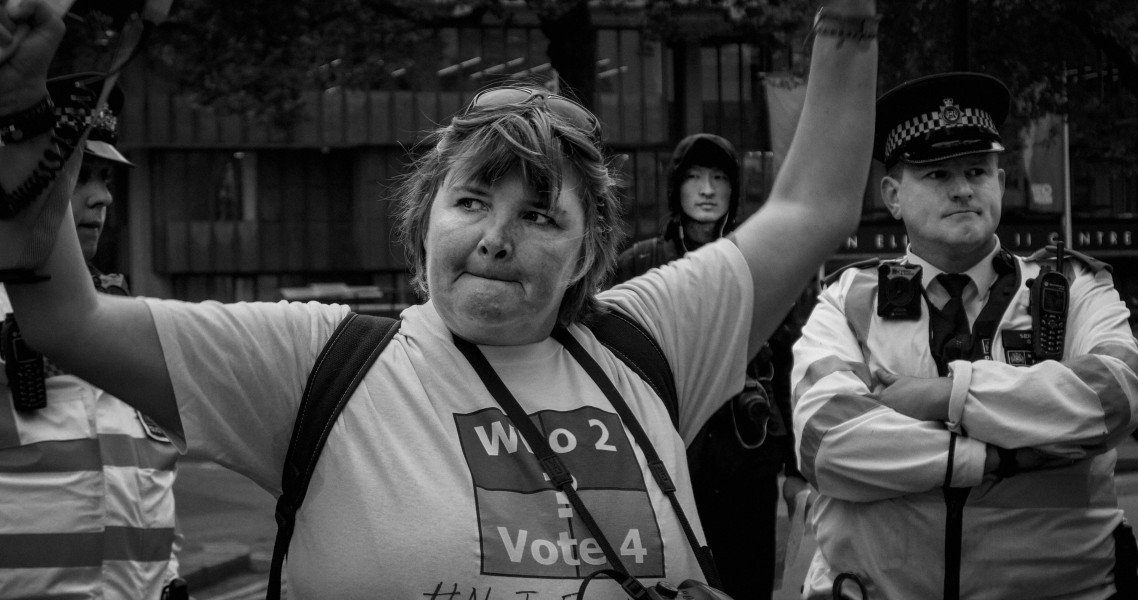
{"x": 1040, "y": 534}
{"x": 86, "y": 497}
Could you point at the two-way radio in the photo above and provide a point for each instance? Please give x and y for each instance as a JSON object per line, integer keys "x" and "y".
{"x": 23, "y": 366}
{"x": 1050, "y": 293}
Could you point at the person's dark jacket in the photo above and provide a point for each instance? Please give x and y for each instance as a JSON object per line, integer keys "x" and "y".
{"x": 736, "y": 486}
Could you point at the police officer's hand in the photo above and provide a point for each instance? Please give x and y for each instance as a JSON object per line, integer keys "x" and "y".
{"x": 30, "y": 33}
{"x": 791, "y": 487}
{"x": 922, "y": 398}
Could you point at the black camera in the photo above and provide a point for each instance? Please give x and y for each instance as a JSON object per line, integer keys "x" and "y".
{"x": 751, "y": 413}
{"x": 690, "y": 589}
{"x": 899, "y": 291}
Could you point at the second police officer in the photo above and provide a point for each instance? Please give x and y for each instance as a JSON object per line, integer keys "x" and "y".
{"x": 958, "y": 408}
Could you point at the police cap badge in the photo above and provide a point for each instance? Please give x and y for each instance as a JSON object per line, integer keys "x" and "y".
{"x": 74, "y": 97}
{"x": 939, "y": 117}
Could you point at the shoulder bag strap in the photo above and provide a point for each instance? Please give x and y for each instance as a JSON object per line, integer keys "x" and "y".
{"x": 632, "y": 344}
{"x": 655, "y": 464}
{"x": 341, "y": 365}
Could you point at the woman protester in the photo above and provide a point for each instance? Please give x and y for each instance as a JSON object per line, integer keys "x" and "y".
{"x": 512, "y": 223}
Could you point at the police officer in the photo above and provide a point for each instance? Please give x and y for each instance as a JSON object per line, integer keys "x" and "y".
{"x": 86, "y": 481}
{"x": 958, "y": 408}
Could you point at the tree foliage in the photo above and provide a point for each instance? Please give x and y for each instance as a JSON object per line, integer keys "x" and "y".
{"x": 1057, "y": 56}
{"x": 257, "y": 57}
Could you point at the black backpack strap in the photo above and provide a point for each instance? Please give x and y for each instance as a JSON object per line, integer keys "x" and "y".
{"x": 341, "y": 365}
{"x": 637, "y": 348}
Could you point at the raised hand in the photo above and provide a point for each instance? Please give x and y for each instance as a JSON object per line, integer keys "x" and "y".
{"x": 30, "y": 33}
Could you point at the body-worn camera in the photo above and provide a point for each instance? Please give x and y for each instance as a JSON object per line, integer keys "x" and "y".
{"x": 899, "y": 291}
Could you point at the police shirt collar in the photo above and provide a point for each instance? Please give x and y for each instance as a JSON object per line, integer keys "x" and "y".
{"x": 983, "y": 273}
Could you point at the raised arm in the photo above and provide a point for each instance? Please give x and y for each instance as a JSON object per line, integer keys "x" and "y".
{"x": 817, "y": 194}
{"x": 109, "y": 341}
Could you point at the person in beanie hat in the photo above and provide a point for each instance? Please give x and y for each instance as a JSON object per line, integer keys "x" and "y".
{"x": 103, "y": 526}
{"x": 737, "y": 457}
{"x": 958, "y": 408}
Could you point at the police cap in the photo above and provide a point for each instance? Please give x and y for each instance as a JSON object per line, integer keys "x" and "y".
{"x": 939, "y": 117}
{"x": 74, "y": 97}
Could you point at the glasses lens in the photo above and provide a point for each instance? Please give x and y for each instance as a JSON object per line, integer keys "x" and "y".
{"x": 563, "y": 107}
{"x": 501, "y": 96}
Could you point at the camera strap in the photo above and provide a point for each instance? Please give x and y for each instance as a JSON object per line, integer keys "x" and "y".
{"x": 559, "y": 474}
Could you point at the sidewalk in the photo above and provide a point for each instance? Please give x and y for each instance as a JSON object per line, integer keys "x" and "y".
{"x": 227, "y": 522}
{"x": 229, "y": 526}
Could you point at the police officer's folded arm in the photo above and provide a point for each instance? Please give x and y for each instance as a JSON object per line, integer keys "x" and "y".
{"x": 852, "y": 447}
{"x": 1083, "y": 405}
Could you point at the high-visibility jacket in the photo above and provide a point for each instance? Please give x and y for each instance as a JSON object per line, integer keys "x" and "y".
{"x": 86, "y": 496}
{"x": 1038, "y": 534}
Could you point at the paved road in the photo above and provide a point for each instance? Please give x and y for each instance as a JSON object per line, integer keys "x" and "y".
{"x": 229, "y": 528}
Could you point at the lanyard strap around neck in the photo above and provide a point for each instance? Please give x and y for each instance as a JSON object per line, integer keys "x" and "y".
{"x": 559, "y": 474}
{"x": 655, "y": 465}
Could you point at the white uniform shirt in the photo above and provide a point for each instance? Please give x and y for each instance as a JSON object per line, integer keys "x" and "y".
{"x": 86, "y": 496}
{"x": 1039, "y": 534}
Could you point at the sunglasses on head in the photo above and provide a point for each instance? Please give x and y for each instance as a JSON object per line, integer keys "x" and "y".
{"x": 564, "y": 107}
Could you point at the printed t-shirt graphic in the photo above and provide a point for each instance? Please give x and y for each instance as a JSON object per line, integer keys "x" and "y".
{"x": 529, "y": 528}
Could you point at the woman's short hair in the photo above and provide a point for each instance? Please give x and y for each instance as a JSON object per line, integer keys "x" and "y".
{"x": 486, "y": 142}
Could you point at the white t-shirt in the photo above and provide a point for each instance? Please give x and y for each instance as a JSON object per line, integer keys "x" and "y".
{"x": 424, "y": 489}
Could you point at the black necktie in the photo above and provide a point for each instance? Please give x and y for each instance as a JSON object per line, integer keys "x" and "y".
{"x": 952, "y": 338}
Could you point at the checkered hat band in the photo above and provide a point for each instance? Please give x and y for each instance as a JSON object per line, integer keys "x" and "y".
{"x": 73, "y": 117}
{"x": 933, "y": 121}
{"x": 103, "y": 123}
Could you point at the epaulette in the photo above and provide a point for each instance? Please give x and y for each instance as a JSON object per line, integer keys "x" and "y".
{"x": 1049, "y": 252}
{"x": 113, "y": 284}
{"x": 868, "y": 263}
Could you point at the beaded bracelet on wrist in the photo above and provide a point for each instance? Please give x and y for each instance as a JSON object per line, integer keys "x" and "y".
{"x": 63, "y": 142}
{"x": 28, "y": 123}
